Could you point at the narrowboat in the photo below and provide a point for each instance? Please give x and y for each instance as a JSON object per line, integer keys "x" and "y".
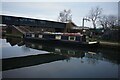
{"x": 65, "y": 39}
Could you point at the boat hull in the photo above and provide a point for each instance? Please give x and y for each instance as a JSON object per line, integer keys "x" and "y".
{"x": 64, "y": 43}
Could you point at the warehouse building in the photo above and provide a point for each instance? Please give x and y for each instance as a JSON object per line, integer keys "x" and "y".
{"x": 36, "y": 25}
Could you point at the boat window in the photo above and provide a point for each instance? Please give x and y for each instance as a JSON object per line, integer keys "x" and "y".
{"x": 33, "y": 35}
{"x": 27, "y": 35}
{"x": 57, "y": 37}
{"x": 40, "y": 36}
{"x": 72, "y": 38}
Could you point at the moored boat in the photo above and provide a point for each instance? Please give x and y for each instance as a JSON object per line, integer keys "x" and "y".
{"x": 66, "y": 39}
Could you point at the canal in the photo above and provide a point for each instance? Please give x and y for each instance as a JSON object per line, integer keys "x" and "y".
{"x": 21, "y": 59}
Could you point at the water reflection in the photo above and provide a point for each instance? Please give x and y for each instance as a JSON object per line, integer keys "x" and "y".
{"x": 57, "y": 53}
{"x": 93, "y": 57}
{"x": 14, "y": 41}
{"x": 18, "y": 50}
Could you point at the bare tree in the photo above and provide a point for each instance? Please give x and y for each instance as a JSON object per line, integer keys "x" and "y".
{"x": 94, "y": 15}
{"x": 65, "y": 16}
{"x": 112, "y": 21}
{"x": 103, "y": 21}
{"x": 108, "y": 21}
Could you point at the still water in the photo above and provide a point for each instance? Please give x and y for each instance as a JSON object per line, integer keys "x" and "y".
{"x": 35, "y": 60}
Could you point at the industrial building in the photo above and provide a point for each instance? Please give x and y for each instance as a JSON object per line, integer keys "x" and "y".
{"x": 36, "y": 25}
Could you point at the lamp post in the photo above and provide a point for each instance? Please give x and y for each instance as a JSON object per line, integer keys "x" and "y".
{"x": 83, "y": 21}
{"x": 84, "y": 31}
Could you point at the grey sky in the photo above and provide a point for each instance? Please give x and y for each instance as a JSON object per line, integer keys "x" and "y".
{"x": 50, "y": 10}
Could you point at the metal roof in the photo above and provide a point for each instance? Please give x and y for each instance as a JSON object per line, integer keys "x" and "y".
{"x": 23, "y": 21}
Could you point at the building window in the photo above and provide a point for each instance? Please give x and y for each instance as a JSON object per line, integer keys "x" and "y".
{"x": 57, "y": 37}
{"x": 40, "y": 36}
{"x": 42, "y": 22}
{"x": 31, "y": 20}
{"x": 72, "y": 38}
{"x": 23, "y": 19}
{"x": 7, "y": 18}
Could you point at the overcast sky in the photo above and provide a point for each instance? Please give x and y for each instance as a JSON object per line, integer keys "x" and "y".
{"x": 50, "y": 10}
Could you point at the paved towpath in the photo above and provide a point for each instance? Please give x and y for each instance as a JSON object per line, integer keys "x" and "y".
{"x": 110, "y": 43}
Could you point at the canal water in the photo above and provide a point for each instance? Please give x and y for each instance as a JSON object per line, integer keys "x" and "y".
{"x": 22, "y": 59}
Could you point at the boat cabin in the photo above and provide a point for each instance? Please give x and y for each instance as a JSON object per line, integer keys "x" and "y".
{"x": 77, "y": 37}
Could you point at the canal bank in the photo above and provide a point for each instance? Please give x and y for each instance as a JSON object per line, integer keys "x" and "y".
{"x": 110, "y": 45}
{"x": 102, "y": 44}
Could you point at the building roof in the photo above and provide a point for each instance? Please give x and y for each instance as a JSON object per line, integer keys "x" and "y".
{"x": 23, "y": 21}
{"x": 73, "y": 23}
